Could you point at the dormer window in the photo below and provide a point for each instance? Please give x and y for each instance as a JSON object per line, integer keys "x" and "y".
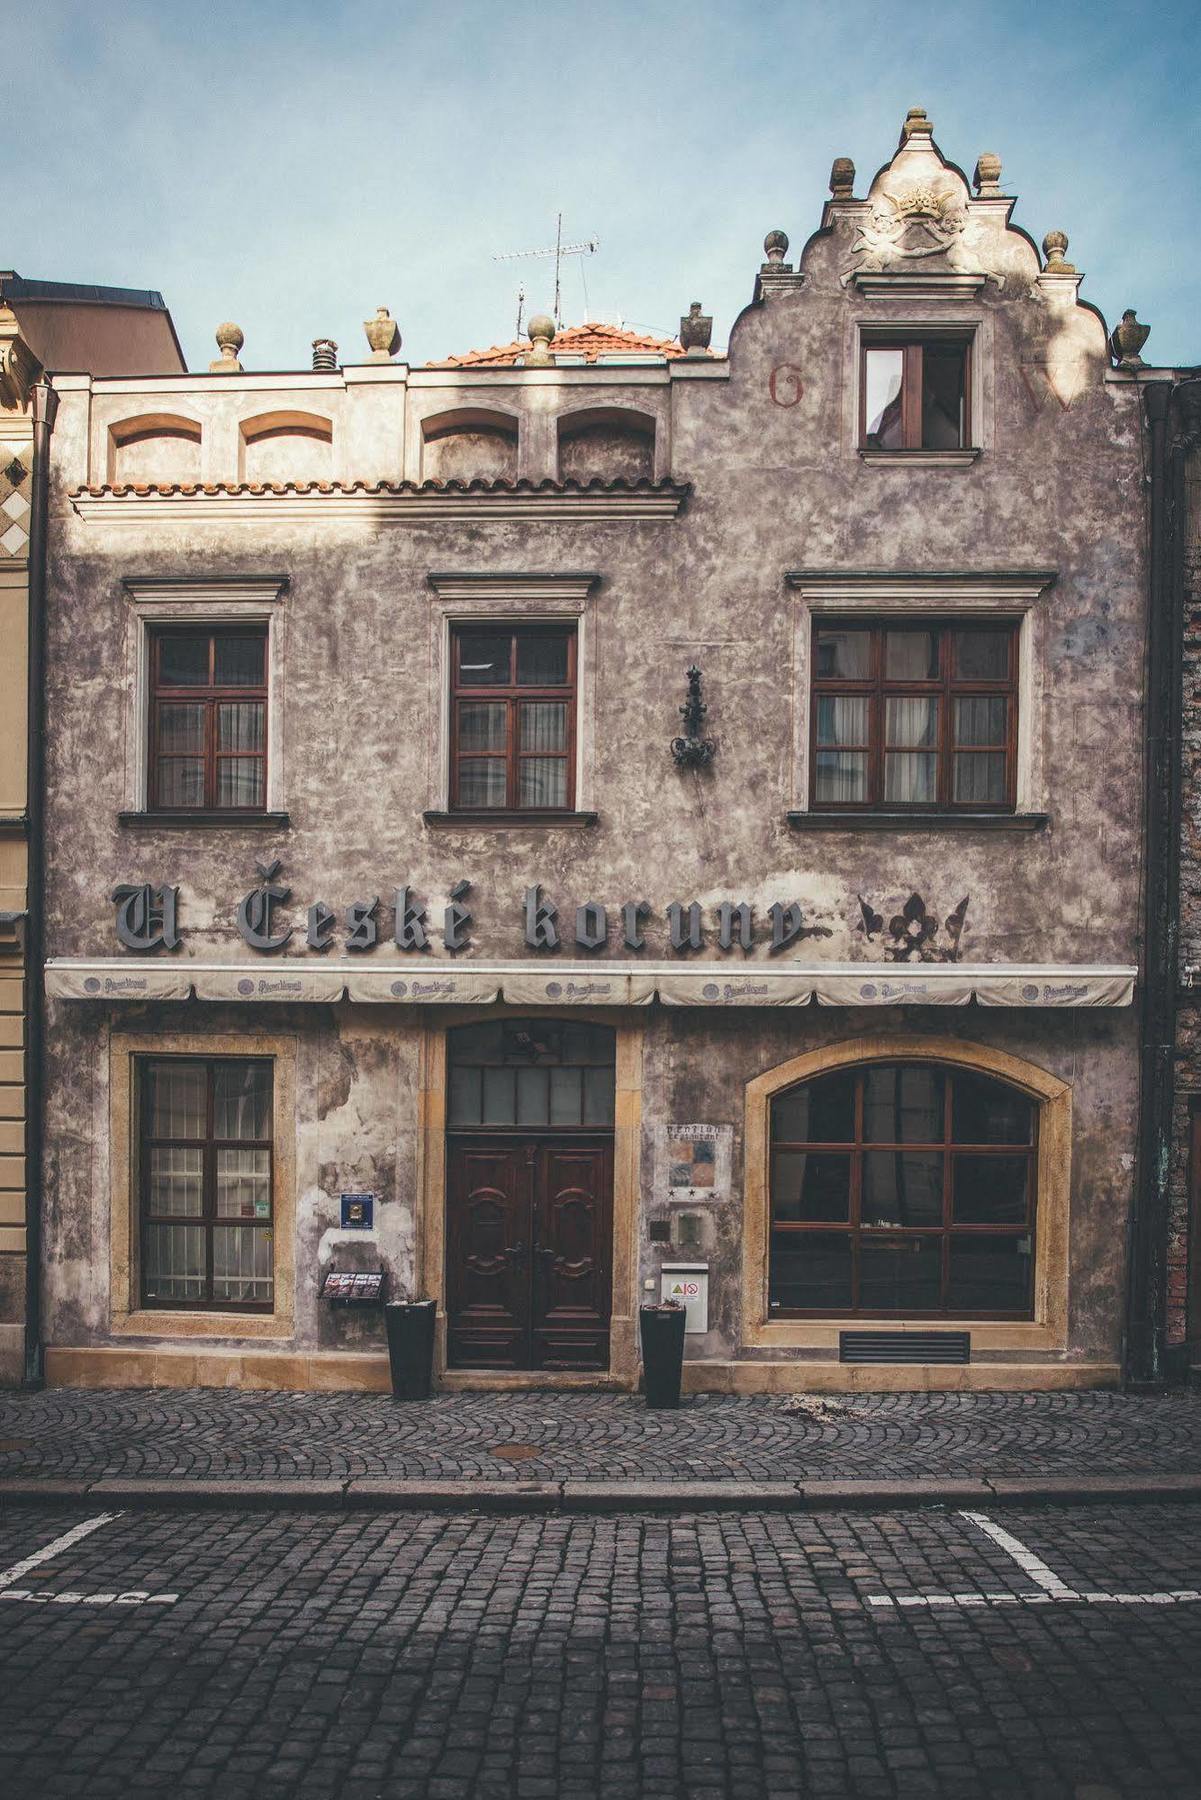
{"x": 914, "y": 392}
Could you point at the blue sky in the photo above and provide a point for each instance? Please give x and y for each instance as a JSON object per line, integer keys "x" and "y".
{"x": 292, "y": 166}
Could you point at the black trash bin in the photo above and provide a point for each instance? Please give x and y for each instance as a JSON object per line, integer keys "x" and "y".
{"x": 662, "y": 1352}
{"x": 410, "y": 1328}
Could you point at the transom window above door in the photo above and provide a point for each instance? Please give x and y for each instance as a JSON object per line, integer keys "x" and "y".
{"x": 513, "y": 718}
{"x": 531, "y": 1072}
{"x": 914, "y": 714}
{"x": 915, "y": 393}
{"x": 208, "y": 719}
{"x": 903, "y": 1189}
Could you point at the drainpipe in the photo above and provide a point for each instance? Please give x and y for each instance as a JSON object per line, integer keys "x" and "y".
{"x": 1144, "y": 1360}
{"x": 45, "y": 406}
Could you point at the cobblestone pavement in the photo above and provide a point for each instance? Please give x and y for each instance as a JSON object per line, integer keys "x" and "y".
{"x": 466, "y": 1658}
{"x": 70, "y": 1432}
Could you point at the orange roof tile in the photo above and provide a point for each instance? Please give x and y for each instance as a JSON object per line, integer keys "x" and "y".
{"x": 589, "y": 341}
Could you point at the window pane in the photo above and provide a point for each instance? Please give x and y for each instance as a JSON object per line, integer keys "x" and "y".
{"x": 982, "y": 654}
{"x": 242, "y": 1100}
{"x": 944, "y": 368}
{"x": 174, "y": 1262}
{"x": 902, "y": 1187}
{"x": 484, "y": 659}
{"x": 911, "y": 656}
{"x": 238, "y": 662}
{"x": 900, "y": 1274}
{"x": 811, "y": 1269}
{"x": 464, "y": 1102}
{"x": 542, "y": 661}
{"x": 176, "y": 1100}
{"x": 240, "y": 725}
{"x": 882, "y": 375}
{"x": 242, "y": 1265}
{"x": 544, "y": 725}
{"x": 989, "y": 1190}
{"x": 599, "y": 1097}
{"x": 810, "y": 1184}
{"x": 566, "y": 1097}
{"x": 586, "y": 1044}
{"x": 176, "y": 1183}
{"x": 533, "y": 1096}
{"x": 911, "y": 723}
{"x": 985, "y": 1112}
{"x": 911, "y": 778}
{"x": 820, "y": 1112}
{"x": 180, "y": 727}
{"x": 240, "y": 780}
{"x": 841, "y": 775}
{"x": 989, "y": 1274}
{"x": 980, "y": 779}
{"x": 903, "y": 1104}
{"x": 482, "y": 724}
{"x": 184, "y": 661}
{"x": 500, "y": 1097}
{"x": 843, "y": 655}
{"x": 180, "y": 781}
{"x": 481, "y": 781}
{"x": 543, "y": 781}
{"x": 842, "y": 719}
{"x": 243, "y": 1184}
{"x": 980, "y": 719}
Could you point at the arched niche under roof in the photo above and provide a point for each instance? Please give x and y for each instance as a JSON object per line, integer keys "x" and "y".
{"x": 469, "y": 443}
{"x": 154, "y": 447}
{"x": 606, "y": 442}
{"x": 285, "y": 446}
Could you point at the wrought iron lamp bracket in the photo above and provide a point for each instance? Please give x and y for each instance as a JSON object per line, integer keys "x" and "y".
{"x": 692, "y": 751}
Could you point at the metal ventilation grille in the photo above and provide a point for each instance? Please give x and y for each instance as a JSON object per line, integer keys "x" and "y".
{"x": 904, "y": 1346}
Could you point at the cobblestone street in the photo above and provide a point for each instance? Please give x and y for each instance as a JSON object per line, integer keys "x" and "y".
{"x": 274, "y": 1654}
{"x": 545, "y": 1435}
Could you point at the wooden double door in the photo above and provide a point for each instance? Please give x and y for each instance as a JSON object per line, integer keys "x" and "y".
{"x": 529, "y": 1244}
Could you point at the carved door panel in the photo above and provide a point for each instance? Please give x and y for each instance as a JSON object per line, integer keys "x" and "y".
{"x": 572, "y": 1263}
{"x": 488, "y": 1203}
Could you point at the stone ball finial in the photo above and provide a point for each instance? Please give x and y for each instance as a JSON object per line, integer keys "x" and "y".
{"x": 383, "y": 335}
{"x": 696, "y": 330}
{"x": 1127, "y": 340}
{"x": 541, "y": 331}
{"x": 1054, "y": 248}
{"x": 775, "y": 246}
{"x": 842, "y": 178}
{"x": 987, "y": 178}
{"x": 230, "y": 338}
{"x": 917, "y": 123}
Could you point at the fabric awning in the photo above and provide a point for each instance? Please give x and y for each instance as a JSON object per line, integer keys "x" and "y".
{"x": 530, "y": 983}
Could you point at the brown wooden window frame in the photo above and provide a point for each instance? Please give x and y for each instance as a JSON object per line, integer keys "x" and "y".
{"x": 914, "y": 345}
{"x": 946, "y": 687}
{"x": 513, "y": 695}
{"x": 211, "y": 696}
{"x": 207, "y": 1219}
{"x": 948, "y": 1230}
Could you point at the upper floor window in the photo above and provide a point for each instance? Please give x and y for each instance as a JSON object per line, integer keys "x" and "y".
{"x": 513, "y": 704}
{"x": 914, "y": 714}
{"x": 208, "y": 719}
{"x": 915, "y": 393}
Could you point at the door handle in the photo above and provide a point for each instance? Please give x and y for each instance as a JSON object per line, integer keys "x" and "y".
{"x": 515, "y": 1252}
{"x": 543, "y": 1250}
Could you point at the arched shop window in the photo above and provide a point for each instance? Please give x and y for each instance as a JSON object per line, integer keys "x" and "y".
{"x": 902, "y": 1189}
{"x": 531, "y": 1073}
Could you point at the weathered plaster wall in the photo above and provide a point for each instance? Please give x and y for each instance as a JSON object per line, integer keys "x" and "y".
{"x": 1188, "y": 1023}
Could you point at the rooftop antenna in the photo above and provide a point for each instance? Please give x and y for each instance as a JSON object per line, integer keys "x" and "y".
{"x": 587, "y": 248}
{"x": 520, "y": 308}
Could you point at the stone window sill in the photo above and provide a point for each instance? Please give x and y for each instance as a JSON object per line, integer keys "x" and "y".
{"x": 264, "y": 821}
{"x": 928, "y": 459}
{"x": 496, "y": 819}
{"x": 851, "y": 820}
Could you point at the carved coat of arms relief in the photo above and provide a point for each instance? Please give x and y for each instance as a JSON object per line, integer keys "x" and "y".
{"x": 909, "y": 224}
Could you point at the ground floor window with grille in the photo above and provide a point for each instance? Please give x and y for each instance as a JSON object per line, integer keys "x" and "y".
{"x": 205, "y": 1183}
{"x": 903, "y": 1189}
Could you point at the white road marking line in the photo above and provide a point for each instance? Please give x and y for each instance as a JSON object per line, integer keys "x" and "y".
{"x": 1049, "y": 1585}
{"x": 43, "y": 1597}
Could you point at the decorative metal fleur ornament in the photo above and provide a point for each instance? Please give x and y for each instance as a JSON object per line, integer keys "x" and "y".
{"x": 692, "y": 751}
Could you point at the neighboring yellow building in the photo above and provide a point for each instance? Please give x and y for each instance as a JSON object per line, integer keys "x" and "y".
{"x": 44, "y": 326}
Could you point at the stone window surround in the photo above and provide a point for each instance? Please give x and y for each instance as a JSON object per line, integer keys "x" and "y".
{"x": 955, "y": 323}
{"x": 1047, "y": 1331}
{"x": 243, "y": 601}
{"x": 127, "y": 1317}
{"x": 490, "y": 599}
{"x": 947, "y": 596}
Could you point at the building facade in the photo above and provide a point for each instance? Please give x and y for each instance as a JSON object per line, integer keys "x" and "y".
{"x": 597, "y": 819}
